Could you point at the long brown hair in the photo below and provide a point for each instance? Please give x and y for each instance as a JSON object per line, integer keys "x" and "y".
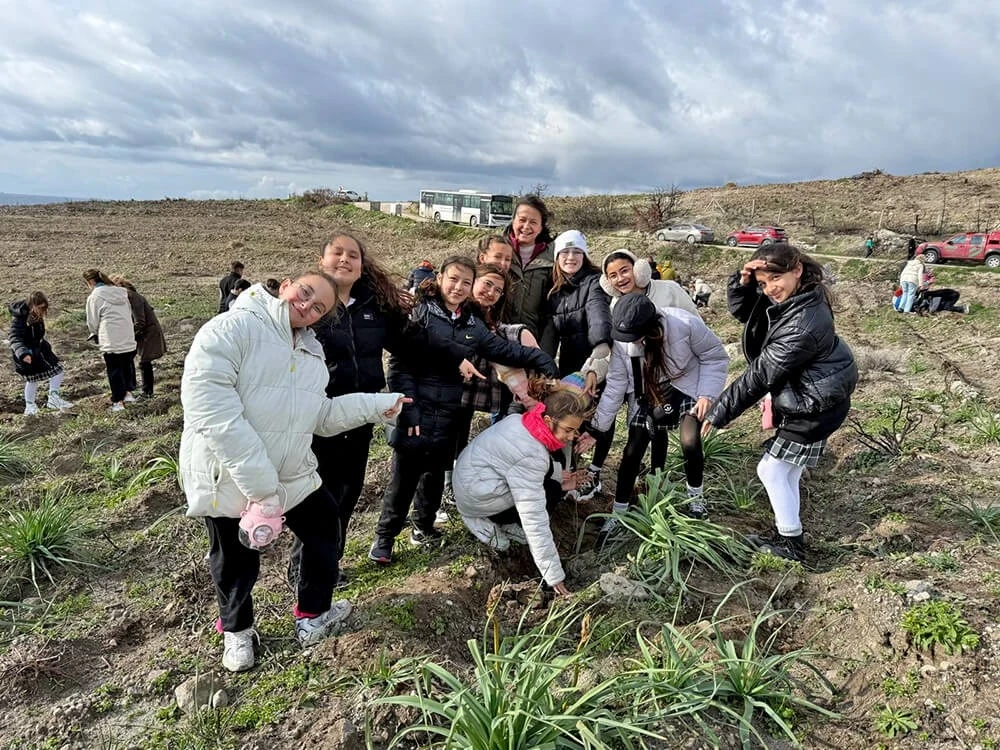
{"x": 559, "y": 276}
{"x": 560, "y": 400}
{"x": 494, "y": 315}
{"x": 384, "y": 287}
{"x": 654, "y": 361}
{"x": 36, "y": 301}
{"x": 782, "y": 258}
{"x": 96, "y": 275}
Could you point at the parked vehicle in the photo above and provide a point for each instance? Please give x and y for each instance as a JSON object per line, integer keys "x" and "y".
{"x": 756, "y": 236}
{"x": 467, "y": 207}
{"x": 972, "y": 247}
{"x": 349, "y": 195}
{"x": 689, "y": 233}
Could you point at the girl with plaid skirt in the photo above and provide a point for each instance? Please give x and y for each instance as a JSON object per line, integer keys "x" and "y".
{"x": 795, "y": 356}
{"x": 34, "y": 359}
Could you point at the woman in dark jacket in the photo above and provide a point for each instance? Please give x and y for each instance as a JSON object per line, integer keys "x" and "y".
{"x": 150, "y": 341}
{"x": 581, "y": 317}
{"x": 531, "y": 270}
{"x": 424, "y": 439}
{"x": 796, "y": 358}
{"x": 34, "y": 359}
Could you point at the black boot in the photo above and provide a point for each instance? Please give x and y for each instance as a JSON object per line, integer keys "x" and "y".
{"x": 787, "y": 547}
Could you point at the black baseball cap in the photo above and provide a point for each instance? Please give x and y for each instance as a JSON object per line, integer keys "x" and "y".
{"x": 631, "y": 317}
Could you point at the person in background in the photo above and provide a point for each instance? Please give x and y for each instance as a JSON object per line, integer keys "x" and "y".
{"x": 150, "y": 341}
{"x": 654, "y": 268}
{"x": 701, "y": 292}
{"x": 506, "y": 480}
{"x": 795, "y": 356}
{"x": 239, "y": 287}
{"x": 869, "y": 245}
{"x": 667, "y": 271}
{"x": 34, "y": 359}
{"x": 531, "y": 270}
{"x": 227, "y": 282}
{"x": 423, "y": 444}
{"x": 272, "y": 286}
{"x": 911, "y": 248}
{"x": 581, "y": 316}
{"x": 910, "y": 280}
{"x": 624, "y": 274}
{"x": 423, "y": 271}
{"x": 496, "y": 250}
{"x": 938, "y": 300}
{"x": 253, "y": 397}
{"x": 109, "y": 320}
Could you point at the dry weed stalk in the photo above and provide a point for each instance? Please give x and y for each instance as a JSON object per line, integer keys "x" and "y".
{"x": 889, "y": 441}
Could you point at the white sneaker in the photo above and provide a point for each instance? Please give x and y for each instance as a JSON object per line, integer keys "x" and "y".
{"x": 590, "y": 487}
{"x": 441, "y": 518}
{"x": 117, "y": 406}
{"x": 129, "y": 398}
{"x": 514, "y": 532}
{"x": 58, "y": 402}
{"x": 311, "y": 630}
{"x": 30, "y": 409}
{"x": 488, "y": 531}
{"x": 238, "y": 654}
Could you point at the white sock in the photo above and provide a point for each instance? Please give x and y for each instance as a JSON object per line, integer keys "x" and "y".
{"x": 619, "y": 508}
{"x": 54, "y": 382}
{"x": 595, "y": 469}
{"x": 30, "y": 392}
{"x": 694, "y": 491}
{"x": 781, "y": 480}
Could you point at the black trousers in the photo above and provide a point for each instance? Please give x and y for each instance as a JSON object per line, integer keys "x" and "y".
{"x": 235, "y": 568}
{"x": 121, "y": 369}
{"x": 417, "y": 478}
{"x": 635, "y": 448}
{"x": 147, "y": 377}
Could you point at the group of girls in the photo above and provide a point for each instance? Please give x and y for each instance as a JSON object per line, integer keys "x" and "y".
{"x": 481, "y": 334}
{"x": 119, "y": 319}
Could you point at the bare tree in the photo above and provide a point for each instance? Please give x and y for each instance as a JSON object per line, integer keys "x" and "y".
{"x": 657, "y": 209}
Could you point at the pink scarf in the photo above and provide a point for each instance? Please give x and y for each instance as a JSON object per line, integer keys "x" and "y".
{"x": 536, "y": 427}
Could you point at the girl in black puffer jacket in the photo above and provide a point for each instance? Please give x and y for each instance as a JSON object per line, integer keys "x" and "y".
{"x": 34, "y": 359}
{"x": 581, "y": 315}
{"x": 795, "y": 357}
{"x": 424, "y": 439}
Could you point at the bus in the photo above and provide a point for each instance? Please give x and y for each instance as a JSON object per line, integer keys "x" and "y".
{"x": 468, "y": 207}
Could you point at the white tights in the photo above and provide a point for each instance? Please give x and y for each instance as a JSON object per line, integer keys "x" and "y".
{"x": 781, "y": 480}
{"x": 31, "y": 388}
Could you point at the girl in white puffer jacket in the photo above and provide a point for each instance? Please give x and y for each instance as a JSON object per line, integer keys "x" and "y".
{"x": 253, "y": 394}
{"x": 506, "y": 480}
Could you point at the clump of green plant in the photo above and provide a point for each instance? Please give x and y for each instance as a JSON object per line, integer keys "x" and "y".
{"x": 723, "y": 455}
{"x": 939, "y": 623}
{"x": 741, "y": 494}
{"x": 981, "y": 517}
{"x": 987, "y": 425}
{"x": 52, "y": 534}
{"x": 941, "y": 561}
{"x": 156, "y": 470}
{"x": 764, "y": 562}
{"x": 874, "y": 582}
{"x": 525, "y": 691}
{"x": 14, "y": 462}
{"x": 668, "y": 538}
{"x": 905, "y": 688}
{"x": 893, "y": 722}
{"x": 401, "y": 614}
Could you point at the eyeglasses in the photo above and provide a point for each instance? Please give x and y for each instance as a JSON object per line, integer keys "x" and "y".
{"x": 488, "y": 287}
{"x": 306, "y": 293}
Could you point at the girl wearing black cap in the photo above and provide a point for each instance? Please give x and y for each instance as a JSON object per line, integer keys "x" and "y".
{"x": 670, "y": 367}
{"x": 795, "y": 356}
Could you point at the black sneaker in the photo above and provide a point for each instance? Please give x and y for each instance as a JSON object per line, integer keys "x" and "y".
{"x": 421, "y": 538}
{"x": 381, "y": 551}
{"x": 342, "y": 581}
{"x": 786, "y": 547}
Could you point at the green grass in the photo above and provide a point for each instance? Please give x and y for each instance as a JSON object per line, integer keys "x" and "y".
{"x": 14, "y": 461}
{"x": 938, "y": 623}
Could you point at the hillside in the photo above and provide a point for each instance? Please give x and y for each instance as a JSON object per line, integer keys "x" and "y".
{"x": 901, "y": 517}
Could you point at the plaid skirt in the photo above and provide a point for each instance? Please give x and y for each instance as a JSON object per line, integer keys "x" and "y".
{"x": 676, "y": 405}
{"x": 39, "y": 376}
{"x": 798, "y": 454}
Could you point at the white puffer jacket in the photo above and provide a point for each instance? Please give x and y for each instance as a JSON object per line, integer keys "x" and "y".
{"x": 253, "y": 396}
{"x": 697, "y": 364}
{"x": 109, "y": 317}
{"x": 503, "y": 468}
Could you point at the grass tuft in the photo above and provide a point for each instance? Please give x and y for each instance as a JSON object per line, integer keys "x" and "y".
{"x": 14, "y": 462}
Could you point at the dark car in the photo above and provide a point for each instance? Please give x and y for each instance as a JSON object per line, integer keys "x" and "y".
{"x": 757, "y": 236}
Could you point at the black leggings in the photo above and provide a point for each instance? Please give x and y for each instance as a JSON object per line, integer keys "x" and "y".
{"x": 635, "y": 448}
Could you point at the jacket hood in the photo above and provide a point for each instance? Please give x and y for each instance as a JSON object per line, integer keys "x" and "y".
{"x": 18, "y": 309}
{"x": 259, "y": 302}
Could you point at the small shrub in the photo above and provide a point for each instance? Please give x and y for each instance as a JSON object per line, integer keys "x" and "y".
{"x": 987, "y": 426}
{"x": 14, "y": 463}
{"x": 38, "y": 539}
{"x": 938, "y": 623}
{"x": 893, "y": 722}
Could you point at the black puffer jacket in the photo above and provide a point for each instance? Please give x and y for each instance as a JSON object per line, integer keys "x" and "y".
{"x": 795, "y": 355}
{"x": 581, "y": 314}
{"x": 354, "y": 338}
{"x": 29, "y": 339}
{"x": 434, "y": 386}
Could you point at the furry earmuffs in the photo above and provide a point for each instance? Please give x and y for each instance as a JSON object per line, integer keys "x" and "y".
{"x": 641, "y": 271}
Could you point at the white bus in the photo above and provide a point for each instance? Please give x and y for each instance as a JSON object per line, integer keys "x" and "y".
{"x": 469, "y": 207}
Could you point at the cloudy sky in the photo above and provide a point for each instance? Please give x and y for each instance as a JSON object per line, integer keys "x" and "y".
{"x": 226, "y": 98}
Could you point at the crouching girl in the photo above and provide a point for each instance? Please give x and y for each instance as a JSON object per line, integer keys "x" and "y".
{"x": 506, "y": 480}
{"x": 253, "y": 396}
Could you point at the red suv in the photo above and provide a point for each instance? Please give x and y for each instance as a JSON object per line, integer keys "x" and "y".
{"x": 756, "y": 236}
{"x": 975, "y": 247}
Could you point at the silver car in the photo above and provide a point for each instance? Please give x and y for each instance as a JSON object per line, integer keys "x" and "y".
{"x": 689, "y": 233}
